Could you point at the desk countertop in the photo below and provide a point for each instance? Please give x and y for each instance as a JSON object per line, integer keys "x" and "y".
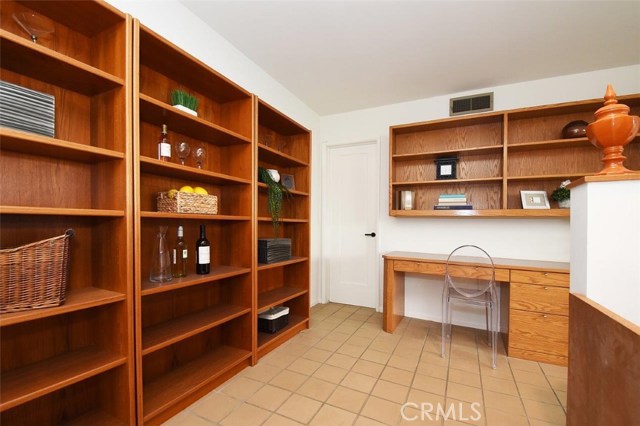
{"x": 533, "y": 265}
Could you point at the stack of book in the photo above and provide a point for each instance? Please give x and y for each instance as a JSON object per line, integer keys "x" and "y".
{"x": 452, "y": 202}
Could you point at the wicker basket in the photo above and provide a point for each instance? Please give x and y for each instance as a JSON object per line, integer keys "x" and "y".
{"x": 186, "y": 202}
{"x": 35, "y": 275}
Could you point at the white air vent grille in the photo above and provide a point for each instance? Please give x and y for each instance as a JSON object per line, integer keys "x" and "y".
{"x": 471, "y": 104}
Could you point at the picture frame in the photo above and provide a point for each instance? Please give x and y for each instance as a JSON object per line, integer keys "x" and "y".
{"x": 534, "y": 200}
{"x": 446, "y": 168}
{"x": 288, "y": 181}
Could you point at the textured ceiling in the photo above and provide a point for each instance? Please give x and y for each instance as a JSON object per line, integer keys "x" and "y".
{"x": 339, "y": 56}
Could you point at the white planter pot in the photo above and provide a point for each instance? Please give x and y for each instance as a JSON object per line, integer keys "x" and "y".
{"x": 564, "y": 204}
{"x": 185, "y": 109}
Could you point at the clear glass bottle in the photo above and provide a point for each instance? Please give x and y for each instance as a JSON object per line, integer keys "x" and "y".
{"x": 180, "y": 255}
{"x": 164, "y": 147}
{"x": 161, "y": 262}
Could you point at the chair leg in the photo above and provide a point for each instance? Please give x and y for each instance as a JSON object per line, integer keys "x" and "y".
{"x": 488, "y": 320}
{"x": 444, "y": 325}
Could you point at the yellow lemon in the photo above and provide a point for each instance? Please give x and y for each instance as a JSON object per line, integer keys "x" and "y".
{"x": 172, "y": 193}
{"x": 200, "y": 190}
{"x": 186, "y": 188}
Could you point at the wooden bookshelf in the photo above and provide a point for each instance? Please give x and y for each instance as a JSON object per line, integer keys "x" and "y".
{"x": 284, "y": 145}
{"x": 499, "y": 154}
{"x": 192, "y": 332}
{"x": 61, "y": 363}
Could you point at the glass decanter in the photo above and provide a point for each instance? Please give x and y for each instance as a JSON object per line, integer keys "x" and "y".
{"x": 161, "y": 262}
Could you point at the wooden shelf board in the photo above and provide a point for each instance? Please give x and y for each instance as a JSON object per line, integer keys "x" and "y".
{"x": 219, "y": 272}
{"x": 155, "y": 111}
{"x": 555, "y": 143}
{"x": 448, "y": 123}
{"x": 498, "y": 213}
{"x": 275, "y": 120}
{"x": 278, "y": 296}
{"x": 274, "y": 156}
{"x": 163, "y": 168}
{"x": 59, "y": 211}
{"x": 29, "y": 143}
{"x": 94, "y": 418}
{"x": 163, "y": 215}
{"x": 36, "y": 61}
{"x": 549, "y": 177}
{"x": 33, "y": 381}
{"x": 268, "y": 219}
{"x": 162, "y": 335}
{"x": 187, "y": 379}
{"x": 263, "y": 186}
{"x": 434, "y": 154}
{"x": 76, "y": 299}
{"x": 170, "y": 60}
{"x": 293, "y": 260}
{"x": 296, "y": 323}
{"x": 448, "y": 181}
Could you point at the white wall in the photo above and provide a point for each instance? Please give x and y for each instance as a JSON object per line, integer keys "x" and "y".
{"x": 179, "y": 25}
{"x": 541, "y": 239}
{"x": 605, "y": 255}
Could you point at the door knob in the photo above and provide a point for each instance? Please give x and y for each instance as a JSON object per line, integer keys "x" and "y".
{"x": 373, "y": 234}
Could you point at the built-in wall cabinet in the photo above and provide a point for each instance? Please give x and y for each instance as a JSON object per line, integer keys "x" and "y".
{"x": 498, "y": 155}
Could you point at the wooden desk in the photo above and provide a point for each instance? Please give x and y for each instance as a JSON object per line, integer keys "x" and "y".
{"x": 534, "y": 298}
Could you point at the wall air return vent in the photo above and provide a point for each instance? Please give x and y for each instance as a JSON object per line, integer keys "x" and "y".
{"x": 471, "y": 104}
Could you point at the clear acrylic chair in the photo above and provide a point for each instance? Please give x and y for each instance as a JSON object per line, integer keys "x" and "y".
{"x": 473, "y": 284}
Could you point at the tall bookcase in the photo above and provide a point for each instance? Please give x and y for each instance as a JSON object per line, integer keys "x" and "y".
{"x": 499, "y": 154}
{"x": 192, "y": 333}
{"x": 71, "y": 364}
{"x": 284, "y": 145}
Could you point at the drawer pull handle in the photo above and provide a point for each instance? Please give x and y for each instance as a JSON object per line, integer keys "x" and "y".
{"x": 546, "y": 274}
{"x": 544, "y": 316}
{"x": 546, "y": 288}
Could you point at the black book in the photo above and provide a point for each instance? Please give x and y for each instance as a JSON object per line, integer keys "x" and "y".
{"x": 446, "y": 207}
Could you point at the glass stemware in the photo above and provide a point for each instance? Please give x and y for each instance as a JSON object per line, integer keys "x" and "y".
{"x": 199, "y": 154}
{"x": 183, "y": 149}
{"x": 35, "y": 25}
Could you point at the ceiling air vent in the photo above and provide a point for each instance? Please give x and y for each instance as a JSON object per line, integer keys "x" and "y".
{"x": 470, "y": 104}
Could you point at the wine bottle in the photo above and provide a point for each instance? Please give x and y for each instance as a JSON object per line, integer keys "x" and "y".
{"x": 180, "y": 253}
{"x": 203, "y": 253}
{"x": 164, "y": 147}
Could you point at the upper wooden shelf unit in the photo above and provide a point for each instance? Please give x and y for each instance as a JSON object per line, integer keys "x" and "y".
{"x": 499, "y": 154}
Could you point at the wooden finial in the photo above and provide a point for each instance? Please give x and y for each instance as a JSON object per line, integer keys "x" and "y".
{"x": 610, "y": 95}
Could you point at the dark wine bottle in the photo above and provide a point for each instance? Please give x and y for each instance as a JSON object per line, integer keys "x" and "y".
{"x": 203, "y": 253}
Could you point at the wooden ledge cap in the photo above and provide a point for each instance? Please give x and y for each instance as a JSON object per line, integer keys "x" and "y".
{"x": 604, "y": 178}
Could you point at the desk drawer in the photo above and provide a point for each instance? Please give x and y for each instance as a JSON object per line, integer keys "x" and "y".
{"x": 419, "y": 267}
{"x": 538, "y": 277}
{"x": 539, "y": 298}
{"x": 545, "y": 333}
{"x": 466, "y": 271}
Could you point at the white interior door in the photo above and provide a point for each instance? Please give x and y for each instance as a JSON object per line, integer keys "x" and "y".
{"x": 351, "y": 209}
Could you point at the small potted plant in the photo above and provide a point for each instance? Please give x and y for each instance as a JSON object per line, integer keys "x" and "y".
{"x": 184, "y": 101}
{"x": 562, "y": 195}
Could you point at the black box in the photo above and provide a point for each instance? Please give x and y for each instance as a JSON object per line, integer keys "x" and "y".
{"x": 273, "y": 320}
{"x": 271, "y": 250}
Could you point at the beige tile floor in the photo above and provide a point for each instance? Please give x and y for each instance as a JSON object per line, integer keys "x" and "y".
{"x": 345, "y": 370}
